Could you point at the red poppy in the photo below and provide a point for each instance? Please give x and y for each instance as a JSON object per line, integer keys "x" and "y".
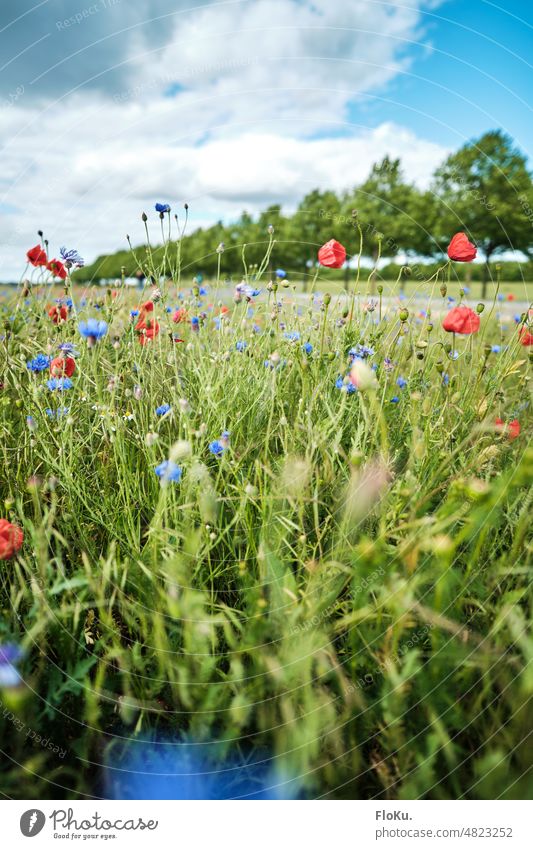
{"x": 526, "y": 338}
{"x": 147, "y": 328}
{"x": 461, "y": 320}
{"x": 180, "y": 315}
{"x": 56, "y": 267}
{"x": 511, "y": 297}
{"x": 332, "y": 254}
{"x": 148, "y": 331}
{"x": 37, "y": 256}
{"x": 461, "y": 248}
{"x": 58, "y": 314}
{"x": 62, "y": 367}
{"x": 513, "y": 428}
{"x": 11, "y": 539}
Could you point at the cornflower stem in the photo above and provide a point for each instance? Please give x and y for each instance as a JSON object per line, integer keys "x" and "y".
{"x": 358, "y": 274}
{"x": 323, "y": 331}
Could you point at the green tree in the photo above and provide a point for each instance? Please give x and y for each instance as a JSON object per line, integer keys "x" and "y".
{"x": 394, "y": 215}
{"x": 484, "y": 189}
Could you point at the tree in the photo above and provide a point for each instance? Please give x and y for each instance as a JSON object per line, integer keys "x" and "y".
{"x": 483, "y": 189}
{"x": 391, "y": 211}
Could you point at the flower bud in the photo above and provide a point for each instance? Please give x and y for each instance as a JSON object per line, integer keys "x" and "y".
{"x": 479, "y": 309}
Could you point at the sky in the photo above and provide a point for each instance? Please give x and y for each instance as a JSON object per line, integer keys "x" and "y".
{"x": 109, "y": 106}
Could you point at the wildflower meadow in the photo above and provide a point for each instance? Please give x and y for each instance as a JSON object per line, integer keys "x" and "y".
{"x": 257, "y": 542}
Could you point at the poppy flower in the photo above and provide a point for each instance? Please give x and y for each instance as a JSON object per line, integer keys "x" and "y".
{"x": 11, "y": 539}
{"x": 56, "y": 267}
{"x": 62, "y": 367}
{"x": 512, "y": 429}
{"x": 526, "y": 337}
{"x": 146, "y": 327}
{"x": 148, "y": 332}
{"x": 37, "y": 256}
{"x": 461, "y": 320}
{"x": 180, "y": 315}
{"x": 332, "y": 254}
{"x": 461, "y": 248}
{"x": 58, "y": 314}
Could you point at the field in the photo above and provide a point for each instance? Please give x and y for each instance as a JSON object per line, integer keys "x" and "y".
{"x": 275, "y": 546}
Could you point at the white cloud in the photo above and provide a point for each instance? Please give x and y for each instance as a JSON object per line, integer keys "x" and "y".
{"x": 261, "y": 80}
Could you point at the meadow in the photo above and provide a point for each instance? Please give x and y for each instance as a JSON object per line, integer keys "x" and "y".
{"x": 274, "y": 545}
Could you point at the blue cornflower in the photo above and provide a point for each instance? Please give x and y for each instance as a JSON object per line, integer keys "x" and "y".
{"x": 445, "y": 379}
{"x": 162, "y": 207}
{"x": 39, "y": 363}
{"x": 500, "y": 297}
{"x": 360, "y": 352}
{"x": 281, "y": 274}
{"x": 195, "y": 322}
{"x": 496, "y": 349}
{"x": 241, "y": 345}
{"x": 168, "y": 471}
{"x": 92, "y": 329}
{"x": 68, "y": 348}
{"x": 307, "y": 347}
{"x": 203, "y": 290}
{"x": 134, "y": 313}
{"x": 292, "y": 335}
{"x": 163, "y": 409}
{"x": 217, "y": 448}
{"x": 394, "y": 399}
{"x": 401, "y": 382}
{"x": 56, "y": 414}
{"x": 10, "y": 655}
{"x": 349, "y": 387}
{"x": 59, "y": 383}
{"x": 71, "y": 258}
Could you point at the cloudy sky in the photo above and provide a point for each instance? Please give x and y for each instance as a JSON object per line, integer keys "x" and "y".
{"x": 111, "y": 105}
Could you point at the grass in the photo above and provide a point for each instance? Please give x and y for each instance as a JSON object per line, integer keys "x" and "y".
{"x": 336, "y": 606}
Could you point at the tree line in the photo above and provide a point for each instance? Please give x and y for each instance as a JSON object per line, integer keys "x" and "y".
{"x": 484, "y": 189}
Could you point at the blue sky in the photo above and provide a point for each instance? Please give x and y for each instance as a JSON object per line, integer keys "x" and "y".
{"x": 107, "y": 106}
{"x": 476, "y": 75}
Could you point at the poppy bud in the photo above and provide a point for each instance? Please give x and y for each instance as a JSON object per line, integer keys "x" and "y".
{"x": 144, "y": 217}
{"x": 444, "y": 290}
{"x": 479, "y": 309}
{"x": 380, "y": 289}
{"x": 327, "y": 299}
{"x": 404, "y": 314}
